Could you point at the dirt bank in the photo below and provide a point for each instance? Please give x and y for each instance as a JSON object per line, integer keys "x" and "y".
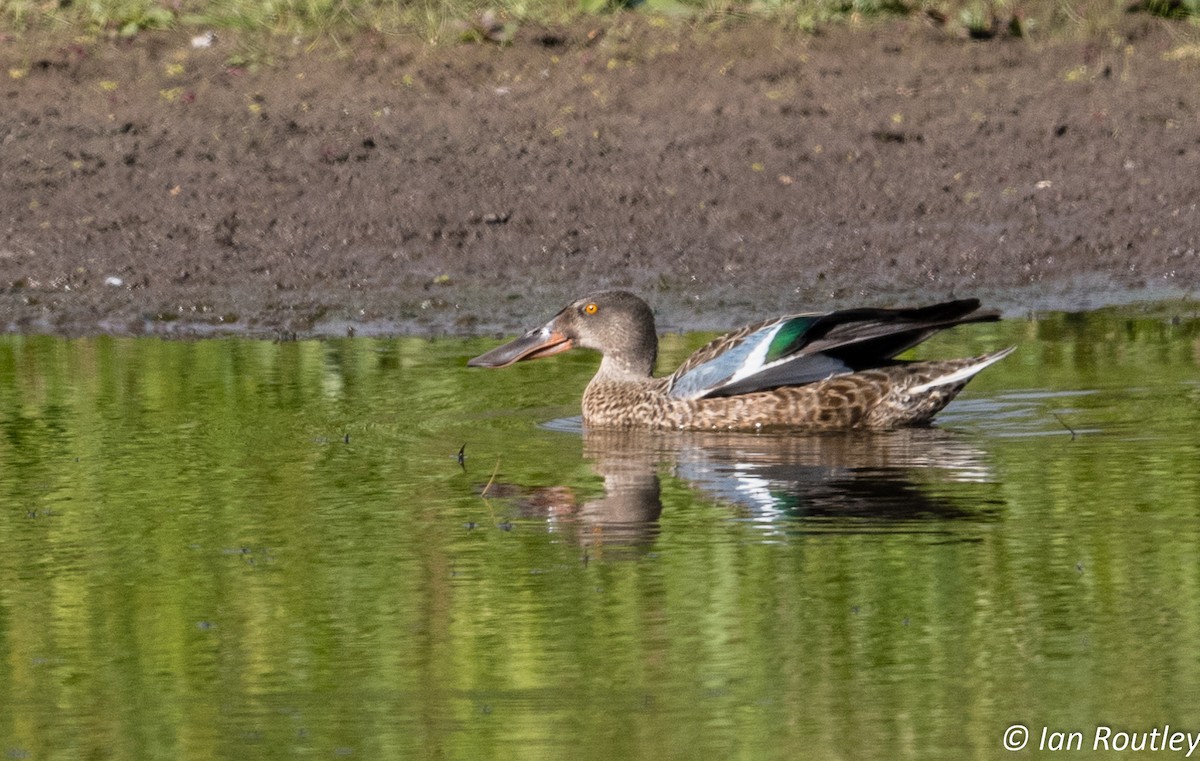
{"x": 387, "y": 186}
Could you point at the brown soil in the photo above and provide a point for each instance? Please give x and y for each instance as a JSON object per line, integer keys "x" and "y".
{"x": 390, "y": 186}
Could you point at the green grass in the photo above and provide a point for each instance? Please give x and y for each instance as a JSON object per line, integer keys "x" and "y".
{"x": 441, "y": 20}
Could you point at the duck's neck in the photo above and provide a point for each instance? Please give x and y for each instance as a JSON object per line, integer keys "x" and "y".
{"x": 629, "y": 364}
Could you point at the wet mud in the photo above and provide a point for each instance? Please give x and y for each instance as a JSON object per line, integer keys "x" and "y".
{"x": 383, "y": 185}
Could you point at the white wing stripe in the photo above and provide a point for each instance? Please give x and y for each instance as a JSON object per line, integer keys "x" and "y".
{"x": 754, "y": 362}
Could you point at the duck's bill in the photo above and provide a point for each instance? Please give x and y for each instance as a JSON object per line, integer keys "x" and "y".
{"x": 537, "y": 343}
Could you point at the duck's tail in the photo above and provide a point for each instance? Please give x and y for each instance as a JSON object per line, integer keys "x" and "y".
{"x": 958, "y": 374}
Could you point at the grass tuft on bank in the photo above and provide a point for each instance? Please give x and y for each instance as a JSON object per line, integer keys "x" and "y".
{"x": 495, "y": 20}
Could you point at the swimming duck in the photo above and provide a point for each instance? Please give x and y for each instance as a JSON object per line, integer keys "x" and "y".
{"x": 819, "y": 371}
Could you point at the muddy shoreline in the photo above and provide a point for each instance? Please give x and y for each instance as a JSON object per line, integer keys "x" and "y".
{"x": 389, "y": 187}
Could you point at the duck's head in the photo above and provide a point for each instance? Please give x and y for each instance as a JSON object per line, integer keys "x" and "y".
{"x": 617, "y": 324}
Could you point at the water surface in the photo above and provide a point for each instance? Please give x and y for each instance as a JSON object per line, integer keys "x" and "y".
{"x": 233, "y": 548}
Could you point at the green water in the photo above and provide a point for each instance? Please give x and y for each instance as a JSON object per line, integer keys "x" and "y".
{"x": 239, "y": 549}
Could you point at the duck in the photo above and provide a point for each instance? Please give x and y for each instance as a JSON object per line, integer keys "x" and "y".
{"x": 815, "y": 371}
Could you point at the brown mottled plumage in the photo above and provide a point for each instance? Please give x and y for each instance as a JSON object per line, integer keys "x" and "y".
{"x": 812, "y": 372}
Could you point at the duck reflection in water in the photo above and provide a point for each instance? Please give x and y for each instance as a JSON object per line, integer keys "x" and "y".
{"x": 868, "y": 481}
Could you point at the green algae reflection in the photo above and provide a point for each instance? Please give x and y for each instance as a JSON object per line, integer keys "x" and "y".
{"x": 233, "y": 548}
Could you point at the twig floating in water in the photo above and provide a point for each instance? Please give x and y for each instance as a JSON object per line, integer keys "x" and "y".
{"x": 1064, "y": 424}
{"x": 490, "y": 480}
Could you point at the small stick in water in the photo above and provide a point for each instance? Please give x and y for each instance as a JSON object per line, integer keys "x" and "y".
{"x": 490, "y": 480}
{"x": 1064, "y": 424}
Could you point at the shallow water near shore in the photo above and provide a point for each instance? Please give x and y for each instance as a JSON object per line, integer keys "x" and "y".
{"x": 235, "y": 548}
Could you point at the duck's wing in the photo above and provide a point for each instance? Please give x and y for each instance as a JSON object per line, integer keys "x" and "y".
{"x": 804, "y": 348}
{"x": 743, "y": 353}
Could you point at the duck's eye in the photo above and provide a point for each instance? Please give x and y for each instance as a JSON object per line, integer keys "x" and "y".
{"x": 591, "y": 308}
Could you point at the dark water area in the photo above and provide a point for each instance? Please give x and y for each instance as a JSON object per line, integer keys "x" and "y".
{"x": 236, "y": 548}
